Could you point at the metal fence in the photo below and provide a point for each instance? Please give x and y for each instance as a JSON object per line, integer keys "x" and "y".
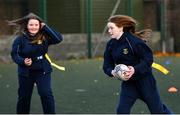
{"x": 80, "y": 16}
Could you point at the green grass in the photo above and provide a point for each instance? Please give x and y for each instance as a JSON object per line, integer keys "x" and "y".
{"x": 84, "y": 89}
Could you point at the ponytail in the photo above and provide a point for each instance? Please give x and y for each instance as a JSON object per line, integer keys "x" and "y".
{"x": 144, "y": 34}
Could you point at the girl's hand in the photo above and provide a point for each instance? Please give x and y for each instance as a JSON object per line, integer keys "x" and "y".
{"x": 114, "y": 73}
{"x": 42, "y": 25}
{"x": 28, "y": 61}
{"x": 130, "y": 73}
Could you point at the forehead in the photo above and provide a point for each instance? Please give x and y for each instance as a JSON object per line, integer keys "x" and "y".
{"x": 33, "y": 21}
{"x": 111, "y": 24}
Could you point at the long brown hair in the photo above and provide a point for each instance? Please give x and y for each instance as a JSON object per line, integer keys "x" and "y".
{"x": 21, "y": 27}
{"x": 129, "y": 25}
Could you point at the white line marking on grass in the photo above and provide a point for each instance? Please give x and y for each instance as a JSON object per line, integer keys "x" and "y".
{"x": 80, "y": 90}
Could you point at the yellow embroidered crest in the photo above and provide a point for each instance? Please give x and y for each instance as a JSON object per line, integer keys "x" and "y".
{"x": 39, "y": 42}
{"x": 125, "y": 51}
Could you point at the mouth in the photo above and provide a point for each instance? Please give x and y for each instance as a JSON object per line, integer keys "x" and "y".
{"x": 111, "y": 34}
{"x": 34, "y": 31}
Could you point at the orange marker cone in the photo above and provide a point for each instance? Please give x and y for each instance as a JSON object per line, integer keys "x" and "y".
{"x": 172, "y": 90}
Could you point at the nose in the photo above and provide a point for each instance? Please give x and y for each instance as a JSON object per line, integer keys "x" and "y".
{"x": 109, "y": 30}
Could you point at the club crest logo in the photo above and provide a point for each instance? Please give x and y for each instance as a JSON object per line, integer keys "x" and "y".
{"x": 125, "y": 51}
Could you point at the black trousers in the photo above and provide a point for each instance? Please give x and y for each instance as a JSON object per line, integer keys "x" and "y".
{"x": 26, "y": 85}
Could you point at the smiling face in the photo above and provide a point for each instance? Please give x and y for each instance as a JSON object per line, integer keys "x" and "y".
{"x": 33, "y": 26}
{"x": 114, "y": 31}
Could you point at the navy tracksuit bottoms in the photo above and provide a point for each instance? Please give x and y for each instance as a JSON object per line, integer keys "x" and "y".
{"x": 26, "y": 85}
{"x": 144, "y": 89}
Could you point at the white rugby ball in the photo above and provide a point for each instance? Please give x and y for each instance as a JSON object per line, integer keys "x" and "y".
{"x": 120, "y": 70}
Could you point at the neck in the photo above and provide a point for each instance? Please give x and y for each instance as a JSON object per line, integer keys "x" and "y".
{"x": 119, "y": 35}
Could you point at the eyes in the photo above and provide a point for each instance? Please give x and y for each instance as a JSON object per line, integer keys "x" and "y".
{"x": 34, "y": 25}
{"x": 110, "y": 28}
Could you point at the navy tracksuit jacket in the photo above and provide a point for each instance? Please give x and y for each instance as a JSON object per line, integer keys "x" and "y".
{"x": 132, "y": 51}
{"x": 39, "y": 72}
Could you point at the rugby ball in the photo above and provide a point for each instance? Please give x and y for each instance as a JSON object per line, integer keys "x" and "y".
{"x": 120, "y": 70}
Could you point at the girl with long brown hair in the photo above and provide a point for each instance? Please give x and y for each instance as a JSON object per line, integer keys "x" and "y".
{"x": 33, "y": 37}
{"x": 127, "y": 46}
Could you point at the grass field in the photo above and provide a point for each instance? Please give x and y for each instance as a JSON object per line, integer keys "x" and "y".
{"x": 84, "y": 89}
